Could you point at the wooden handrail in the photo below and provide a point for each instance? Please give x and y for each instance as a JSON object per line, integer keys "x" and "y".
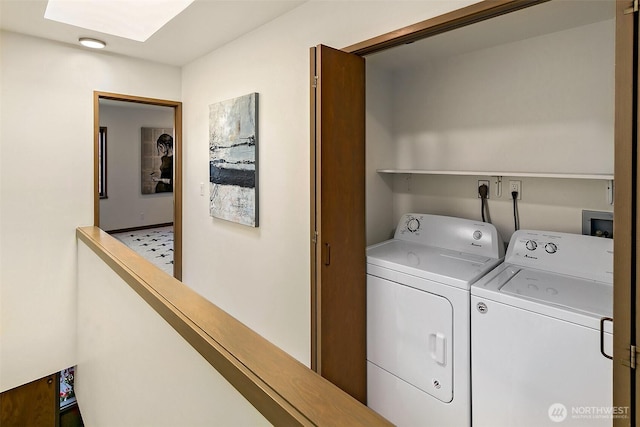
{"x": 284, "y": 390}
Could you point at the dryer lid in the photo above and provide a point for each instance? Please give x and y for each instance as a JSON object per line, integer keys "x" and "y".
{"x": 441, "y": 265}
{"x": 586, "y": 296}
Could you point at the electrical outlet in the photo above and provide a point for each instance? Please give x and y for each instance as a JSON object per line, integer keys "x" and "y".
{"x": 516, "y": 186}
{"x": 483, "y": 182}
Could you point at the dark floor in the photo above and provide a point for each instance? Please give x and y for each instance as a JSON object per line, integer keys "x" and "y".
{"x": 70, "y": 417}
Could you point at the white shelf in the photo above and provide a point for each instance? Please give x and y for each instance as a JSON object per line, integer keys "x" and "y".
{"x": 603, "y": 176}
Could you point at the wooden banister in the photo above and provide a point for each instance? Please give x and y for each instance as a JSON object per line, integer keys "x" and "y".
{"x": 284, "y": 390}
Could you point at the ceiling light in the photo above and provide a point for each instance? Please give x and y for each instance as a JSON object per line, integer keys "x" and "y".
{"x": 92, "y": 43}
{"x": 132, "y": 19}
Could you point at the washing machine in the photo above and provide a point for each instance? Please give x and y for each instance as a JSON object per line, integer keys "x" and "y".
{"x": 418, "y": 314}
{"x": 541, "y": 334}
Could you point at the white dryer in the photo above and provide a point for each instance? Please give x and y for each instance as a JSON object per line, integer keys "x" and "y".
{"x": 418, "y": 314}
{"x": 536, "y": 339}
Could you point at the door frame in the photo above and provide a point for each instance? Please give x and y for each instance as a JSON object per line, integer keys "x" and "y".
{"x": 625, "y": 215}
{"x": 177, "y": 156}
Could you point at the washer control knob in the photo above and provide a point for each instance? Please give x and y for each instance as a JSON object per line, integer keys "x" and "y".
{"x": 413, "y": 225}
{"x": 531, "y": 245}
{"x": 551, "y": 248}
{"x": 477, "y": 235}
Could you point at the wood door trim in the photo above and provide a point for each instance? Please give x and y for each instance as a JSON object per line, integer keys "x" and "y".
{"x": 314, "y": 212}
{"x": 177, "y": 155}
{"x": 440, "y": 24}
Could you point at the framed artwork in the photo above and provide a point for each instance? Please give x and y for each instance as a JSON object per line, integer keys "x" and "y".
{"x": 233, "y": 160}
{"x": 102, "y": 162}
{"x": 157, "y": 160}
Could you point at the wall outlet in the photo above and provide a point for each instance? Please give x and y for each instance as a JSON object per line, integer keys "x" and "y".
{"x": 142, "y": 216}
{"x": 483, "y": 182}
{"x": 515, "y": 186}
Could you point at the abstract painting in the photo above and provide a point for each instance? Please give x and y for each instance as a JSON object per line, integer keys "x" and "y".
{"x": 233, "y": 160}
{"x": 157, "y": 160}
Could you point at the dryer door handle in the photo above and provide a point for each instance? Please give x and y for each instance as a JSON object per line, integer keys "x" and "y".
{"x": 438, "y": 348}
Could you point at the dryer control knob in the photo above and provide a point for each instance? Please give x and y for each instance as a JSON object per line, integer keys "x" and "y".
{"x": 413, "y": 225}
{"x": 482, "y": 307}
{"x": 551, "y": 248}
{"x": 531, "y": 245}
{"x": 477, "y": 235}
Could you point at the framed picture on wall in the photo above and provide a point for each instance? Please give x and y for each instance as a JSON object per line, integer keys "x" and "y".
{"x": 157, "y": 160}
{"x": 233, "y": 160}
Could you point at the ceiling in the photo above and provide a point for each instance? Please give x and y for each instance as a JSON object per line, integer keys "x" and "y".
{"x": 531, "y": 22}
{"x": 201, "y": 28}
{"x": 209, "y": 24}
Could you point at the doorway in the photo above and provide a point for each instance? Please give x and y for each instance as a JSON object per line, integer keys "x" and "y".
{"x": 151, "y": 195}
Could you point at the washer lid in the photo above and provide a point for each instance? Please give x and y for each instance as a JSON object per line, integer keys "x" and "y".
{"x": 586, "y": 296}
{"x": 441, "y": 265}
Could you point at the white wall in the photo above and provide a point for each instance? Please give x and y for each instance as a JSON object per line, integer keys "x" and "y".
{"x": 381, "y": 152}
{"x": 135, "y": 370}
{"x": 125, "y": 205}
{"x": 532, "y": 105}
{"x": 46, "y": 176}
{"x": 547, "y": 204}
{"x": 543, "y": 104}
{"x": 261, "y": 275}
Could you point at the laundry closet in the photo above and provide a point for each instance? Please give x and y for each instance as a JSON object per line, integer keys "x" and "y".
{"x": 525, "y": 97}
{"x": 523, "y": 101}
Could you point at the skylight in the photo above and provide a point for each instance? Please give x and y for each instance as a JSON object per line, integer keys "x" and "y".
{"x": 132, "y": 19}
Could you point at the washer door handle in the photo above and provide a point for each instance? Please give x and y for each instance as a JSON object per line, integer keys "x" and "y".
{"x": 602, "y": 320}
{"x": 438, "y": 348}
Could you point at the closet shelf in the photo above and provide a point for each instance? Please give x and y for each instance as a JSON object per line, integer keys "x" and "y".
{"x": 603, "y": 176}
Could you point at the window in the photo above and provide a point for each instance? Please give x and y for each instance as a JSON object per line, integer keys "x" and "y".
{"x": 102, "y": 162}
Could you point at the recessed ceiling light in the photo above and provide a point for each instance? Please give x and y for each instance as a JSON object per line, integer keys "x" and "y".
{"x": 132, "y": 19}
{"x": 92, "y": 43}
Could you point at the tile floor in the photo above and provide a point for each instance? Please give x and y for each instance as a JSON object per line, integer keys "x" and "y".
{"x": 155, "y": 244}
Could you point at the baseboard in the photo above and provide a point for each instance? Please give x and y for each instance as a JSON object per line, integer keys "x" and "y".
{"x": 144, "y": 227}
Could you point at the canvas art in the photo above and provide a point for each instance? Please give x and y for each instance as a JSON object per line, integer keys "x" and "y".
{"x": 157, "y": 160}
{"x": 233, "y": 172}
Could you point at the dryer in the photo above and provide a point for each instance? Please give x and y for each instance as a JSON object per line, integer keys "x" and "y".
{"x": 418, "y": 314}
{"x": 538, "y": 350}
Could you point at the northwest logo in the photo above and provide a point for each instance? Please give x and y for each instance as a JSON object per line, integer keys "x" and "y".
{"x": 557, "y": 412}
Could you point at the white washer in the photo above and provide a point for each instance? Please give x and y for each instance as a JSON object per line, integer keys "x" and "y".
{"x": 418, "y": 314}
{"x": 535, "y": 333}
